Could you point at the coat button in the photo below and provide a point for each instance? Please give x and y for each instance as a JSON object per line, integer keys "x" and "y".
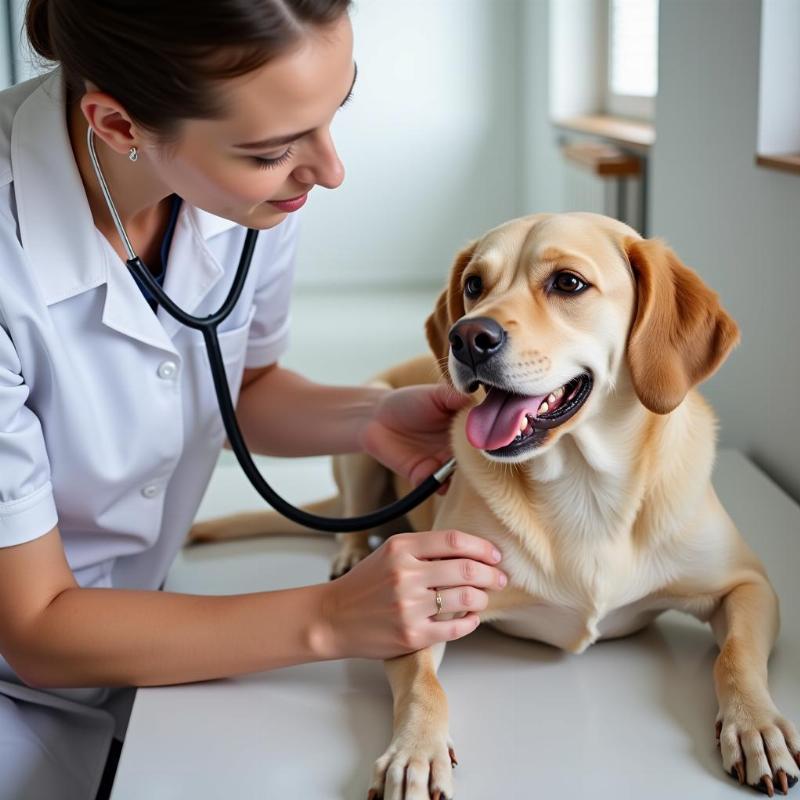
{"x": 150, "y": 491}
{"x": 167, "y": 370}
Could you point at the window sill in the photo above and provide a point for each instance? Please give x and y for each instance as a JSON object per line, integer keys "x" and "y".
{"x": 786, "y": 163}
{"x": 631, "y": 133}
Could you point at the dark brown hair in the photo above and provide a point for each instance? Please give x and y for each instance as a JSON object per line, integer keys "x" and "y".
{"x": 159, "y": 58}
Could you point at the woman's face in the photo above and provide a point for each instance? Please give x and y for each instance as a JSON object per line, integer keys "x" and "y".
{"x": 273, "y": 143}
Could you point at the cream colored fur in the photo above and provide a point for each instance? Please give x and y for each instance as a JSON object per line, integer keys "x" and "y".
{"x": 613, "y": 519}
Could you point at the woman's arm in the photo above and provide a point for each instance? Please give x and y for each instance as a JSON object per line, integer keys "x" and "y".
{"x": 281, "y": 413}
{"x": 55, "y": 634}
{"x": 406, "y": 429}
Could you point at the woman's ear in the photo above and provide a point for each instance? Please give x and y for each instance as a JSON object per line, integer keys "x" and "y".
{"x": 448, "y": 309}
{"x": 680, "y": 332}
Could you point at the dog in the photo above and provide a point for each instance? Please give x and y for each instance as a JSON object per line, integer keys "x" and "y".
{"x": 586, "y": 458}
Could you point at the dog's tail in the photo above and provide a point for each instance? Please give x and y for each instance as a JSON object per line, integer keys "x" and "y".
{"x": 260, "y": 523}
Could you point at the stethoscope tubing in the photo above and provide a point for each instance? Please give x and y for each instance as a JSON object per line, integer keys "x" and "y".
{"x": 208, "y": 328}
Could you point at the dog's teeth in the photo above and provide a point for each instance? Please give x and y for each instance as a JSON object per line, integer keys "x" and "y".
{"x": 543, "y": 408}
{"x": 559, "y": 393}
{"x": 523, "y": 423}
{"x": 551, "y": 399}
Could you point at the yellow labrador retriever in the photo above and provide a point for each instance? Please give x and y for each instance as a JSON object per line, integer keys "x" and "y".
{"x": 587, "y": 459}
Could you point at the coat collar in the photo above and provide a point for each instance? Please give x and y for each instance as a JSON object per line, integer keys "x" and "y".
{"x": 55, "y": 224}
{"x": 60, "y": 239}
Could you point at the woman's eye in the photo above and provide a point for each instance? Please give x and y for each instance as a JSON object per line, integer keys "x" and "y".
{"x": 567, "y": 283}
{"x": 473, "y": 287}
{"x": 270, "y": 163}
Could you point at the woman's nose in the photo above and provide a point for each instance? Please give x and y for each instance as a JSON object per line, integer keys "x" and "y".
{"x": 322, "y": 166}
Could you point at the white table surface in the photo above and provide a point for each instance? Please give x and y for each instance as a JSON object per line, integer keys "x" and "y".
{"x": 632, "y": 717}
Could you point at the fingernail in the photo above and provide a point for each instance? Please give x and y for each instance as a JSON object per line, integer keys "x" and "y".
{"x": 496, "y": 554}
{"x": 502, "y": 579}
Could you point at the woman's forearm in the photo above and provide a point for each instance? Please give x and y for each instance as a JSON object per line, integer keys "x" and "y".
{"x": 112, "y": 637}
{"x": 282, "y": 413}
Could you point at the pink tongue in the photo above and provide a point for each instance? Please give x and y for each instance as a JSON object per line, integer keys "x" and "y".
{"x": 495, "y": 422}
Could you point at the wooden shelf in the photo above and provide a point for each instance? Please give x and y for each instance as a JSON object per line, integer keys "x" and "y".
{"x": 603, "y": 160}
{"x": 640, "y": 135}
{"x": 787, "y": 163}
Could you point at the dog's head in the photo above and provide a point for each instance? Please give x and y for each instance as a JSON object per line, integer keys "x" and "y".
{"x": 550, "y": 314}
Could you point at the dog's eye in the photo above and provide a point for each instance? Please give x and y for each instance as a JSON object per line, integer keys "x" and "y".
{"x": 473, "y": 287}
{"x": 567, "y": 283}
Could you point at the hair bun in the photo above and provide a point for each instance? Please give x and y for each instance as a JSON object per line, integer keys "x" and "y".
{"x": 37, "y": 23}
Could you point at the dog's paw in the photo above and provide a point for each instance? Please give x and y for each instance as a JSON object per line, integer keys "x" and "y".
{"x": 759, "y": 747}
{"x": 348, "y": 556}
{"x": 415, "y": 768}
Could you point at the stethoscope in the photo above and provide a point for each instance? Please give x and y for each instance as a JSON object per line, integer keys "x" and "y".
{"x": 208, "y": 327}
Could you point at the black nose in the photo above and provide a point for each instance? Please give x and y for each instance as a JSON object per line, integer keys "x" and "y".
{"x": 476, "y": 340}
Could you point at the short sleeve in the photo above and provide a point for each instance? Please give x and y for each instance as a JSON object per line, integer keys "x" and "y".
{"x": 27, "y": 506}
{"x": 269, "y": 331}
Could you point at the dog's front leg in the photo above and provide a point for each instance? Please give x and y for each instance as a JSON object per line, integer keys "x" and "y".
{"x": 758, "y": 745}
{"x": 418, "y": 763}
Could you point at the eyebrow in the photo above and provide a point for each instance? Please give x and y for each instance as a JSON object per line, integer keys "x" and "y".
{"x": 554, "y": 254}
{"x": 277, "y": 141}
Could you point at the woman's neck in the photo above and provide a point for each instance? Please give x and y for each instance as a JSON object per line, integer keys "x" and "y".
{"x": 137, "y": 192}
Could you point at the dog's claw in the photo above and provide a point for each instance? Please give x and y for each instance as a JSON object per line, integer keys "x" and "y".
{"x": 765, "y": 785}
{"x": 373, "y": 794}
{"x": 718, "y": 731}
{"x": 437, "y": 795}
{"x": 453, "y": 759}
{"x": 783, "y": 781}
{"x": 738, "y": 772}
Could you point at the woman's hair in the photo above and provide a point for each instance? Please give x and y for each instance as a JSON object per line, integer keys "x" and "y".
{"x": 159, "y": 58}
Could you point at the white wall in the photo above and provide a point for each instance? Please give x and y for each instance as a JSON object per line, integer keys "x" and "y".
{"x": 541, "y": 168}
{"x": 736, "y": 223}
{"x": 26, "y": 63}
{"x": 430, "y": 143}
{"x": 578, "y": 56}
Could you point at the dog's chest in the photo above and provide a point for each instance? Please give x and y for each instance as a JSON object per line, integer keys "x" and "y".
{"x": 595, "y": 591}
{"x": 575, "y": 629}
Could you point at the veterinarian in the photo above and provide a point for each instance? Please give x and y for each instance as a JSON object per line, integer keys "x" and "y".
{"x": 208, "y": 117}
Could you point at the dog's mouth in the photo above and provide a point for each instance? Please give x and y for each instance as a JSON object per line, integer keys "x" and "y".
{"x": 505, "y": 424}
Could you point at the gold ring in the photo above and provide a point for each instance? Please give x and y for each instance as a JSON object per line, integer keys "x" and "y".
{"x": 439, "y": 602}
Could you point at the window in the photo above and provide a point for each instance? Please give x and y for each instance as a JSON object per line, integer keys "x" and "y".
{"x": 632, "y": 58}
{"x": 779, "y": 102}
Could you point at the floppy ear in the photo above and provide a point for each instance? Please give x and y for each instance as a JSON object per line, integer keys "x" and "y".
{"x": 680, "y": 332}
{"x": 448, "y": 309}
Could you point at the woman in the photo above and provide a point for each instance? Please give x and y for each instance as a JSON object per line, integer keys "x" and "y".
{"x": 208, "y": 116}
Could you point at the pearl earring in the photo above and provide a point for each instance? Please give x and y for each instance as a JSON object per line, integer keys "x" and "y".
{"x": 133, "y": 154}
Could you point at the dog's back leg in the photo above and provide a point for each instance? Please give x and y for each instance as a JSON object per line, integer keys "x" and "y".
{"x": 364, "y": 485}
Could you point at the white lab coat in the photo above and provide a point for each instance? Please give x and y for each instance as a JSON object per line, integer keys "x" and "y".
{"x": 108, "y": 423}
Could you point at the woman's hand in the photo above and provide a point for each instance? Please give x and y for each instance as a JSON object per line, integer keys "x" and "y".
{"x": 409, "y": 431}
{"x": 386, "y": 605}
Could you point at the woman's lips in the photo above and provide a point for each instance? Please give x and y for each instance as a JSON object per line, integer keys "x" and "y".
{"x": 292, "y": 204}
